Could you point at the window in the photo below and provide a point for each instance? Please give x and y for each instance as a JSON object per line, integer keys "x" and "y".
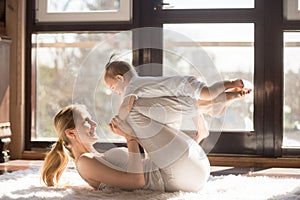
{"x": 87, "y": 10}
{"x": 291, "y": 49}
{"x": 69, "y": 68}
{"x": 212, "y": 52}
{"x": 204, "y": 4}
{"x": 291, "y": 9}
{"x": 291, "y": 89}
{"x": 235, "y": 38}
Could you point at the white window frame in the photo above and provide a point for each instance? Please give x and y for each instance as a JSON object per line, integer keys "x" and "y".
{"x": 123, "y": 14}
{"x": 291, "y": 10}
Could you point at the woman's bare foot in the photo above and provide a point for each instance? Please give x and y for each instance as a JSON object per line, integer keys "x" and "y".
{"x": 199, "y": 137}
{"x": 202, "y": 130}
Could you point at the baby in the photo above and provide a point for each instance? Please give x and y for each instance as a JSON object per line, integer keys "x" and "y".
{"x": 122, "y": 78}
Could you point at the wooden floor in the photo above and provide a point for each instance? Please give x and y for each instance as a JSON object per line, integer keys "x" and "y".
{"x": 15, "y": 165}
{"x": 278, "y": 172}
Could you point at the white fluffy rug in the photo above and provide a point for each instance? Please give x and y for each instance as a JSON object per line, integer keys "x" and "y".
{"x": 27, "y": 185}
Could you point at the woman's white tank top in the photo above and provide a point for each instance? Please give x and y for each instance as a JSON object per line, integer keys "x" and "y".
{"x": 117, "y": 158}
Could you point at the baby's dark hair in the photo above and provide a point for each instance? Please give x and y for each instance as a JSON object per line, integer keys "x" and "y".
{"x": 114, "y": 68}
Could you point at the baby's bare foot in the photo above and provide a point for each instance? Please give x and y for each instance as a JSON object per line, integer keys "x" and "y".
{"x": 237, "y": 92}
{"x": 235, "y": 83}
{"x": 245, "y": 91}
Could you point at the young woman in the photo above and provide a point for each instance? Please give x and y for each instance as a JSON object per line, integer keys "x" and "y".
{"x": 169, "y": 168}
{"x": 76, "y": 136}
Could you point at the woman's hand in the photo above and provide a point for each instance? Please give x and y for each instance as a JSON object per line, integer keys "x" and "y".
{"x": 121, "y": 128}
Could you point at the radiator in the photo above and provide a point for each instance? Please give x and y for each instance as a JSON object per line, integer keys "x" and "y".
{"x": 5, "y": 133}
{"x": 5, "y": 130}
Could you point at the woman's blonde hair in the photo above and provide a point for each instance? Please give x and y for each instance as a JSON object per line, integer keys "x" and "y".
{"x": 57, "y": 159}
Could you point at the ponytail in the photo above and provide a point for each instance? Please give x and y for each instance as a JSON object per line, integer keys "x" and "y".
{"x": 55, "y": 164}
{"x": 57, "y": 159}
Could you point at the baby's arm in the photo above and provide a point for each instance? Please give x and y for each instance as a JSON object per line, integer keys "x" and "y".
{"x": 126, "y": 107}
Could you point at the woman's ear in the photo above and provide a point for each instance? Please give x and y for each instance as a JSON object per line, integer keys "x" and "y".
{"x": 120, "y": 78}
{"x": 70, "y": 133}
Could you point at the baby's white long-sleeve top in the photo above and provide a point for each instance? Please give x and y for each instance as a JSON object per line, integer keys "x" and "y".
{"x": 161, "y": 86}
{"x": 148, "y": 87}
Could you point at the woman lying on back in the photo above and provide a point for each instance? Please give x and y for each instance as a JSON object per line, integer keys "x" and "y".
{"x": 120, "y": 167}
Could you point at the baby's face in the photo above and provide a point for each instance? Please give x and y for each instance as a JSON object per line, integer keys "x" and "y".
{"x": 116, "y": 84}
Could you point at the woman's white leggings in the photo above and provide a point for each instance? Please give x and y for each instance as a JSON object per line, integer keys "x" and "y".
{"x": 182, "y": 162}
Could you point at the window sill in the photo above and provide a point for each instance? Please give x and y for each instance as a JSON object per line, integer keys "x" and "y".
{"x": 216, "y": 160}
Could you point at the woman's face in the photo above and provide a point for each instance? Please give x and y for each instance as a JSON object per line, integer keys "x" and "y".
{"x": 86, "y": 128}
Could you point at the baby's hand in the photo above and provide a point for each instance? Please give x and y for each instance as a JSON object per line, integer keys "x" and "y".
{"x": 121, "y": 127}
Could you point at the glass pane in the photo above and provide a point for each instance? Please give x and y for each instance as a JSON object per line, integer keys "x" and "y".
{"x": 291, "y": 89}
{"x": 291, "y": 9}
{"x": 214, "y": 52}
{"x": 207, "y": 4}
{"x": 82, "y": 5}
{"x": 69, "y": 69}
{"x": 83, "y": 11}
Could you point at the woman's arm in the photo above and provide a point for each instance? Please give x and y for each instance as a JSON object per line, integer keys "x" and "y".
{"x": 122, "y": 128}
{"x": 95, "y": 172}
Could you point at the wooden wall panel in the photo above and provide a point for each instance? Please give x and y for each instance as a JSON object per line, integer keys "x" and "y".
{"x": 15, "y": 28}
